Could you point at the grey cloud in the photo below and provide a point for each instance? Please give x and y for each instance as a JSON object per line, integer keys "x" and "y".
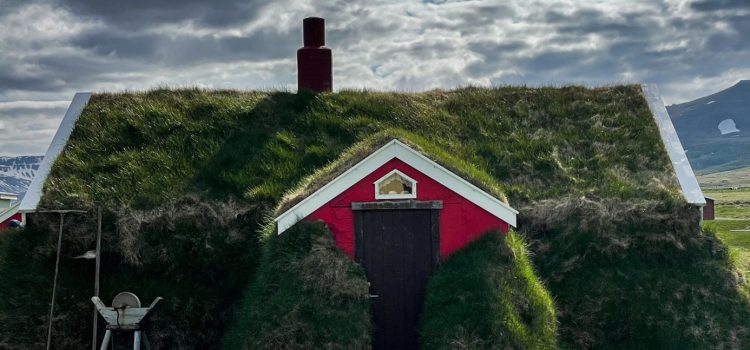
{"x": 715, "y": 5}
{"x": 551, "y": 60}
{"x": 494, "y": 56}
{"x": 15, "y": 114}
{"x": 589, "y": 21}
{"x": 134, "y": 14}
{"x": 492, "y": 50}
{"x": 417, "y": 45}
{"x": 118, "y": 44}
{"x": 27, "y": 131}
{"x": 158, "y": 50}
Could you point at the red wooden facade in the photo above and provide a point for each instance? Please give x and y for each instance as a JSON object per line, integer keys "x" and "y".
{"x": 16, "y": 216}
{"x": 461, "y": 221}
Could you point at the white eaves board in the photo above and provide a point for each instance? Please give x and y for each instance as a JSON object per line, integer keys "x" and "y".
{"x": 689, "y": 184}
{"x": 34, "y": 192}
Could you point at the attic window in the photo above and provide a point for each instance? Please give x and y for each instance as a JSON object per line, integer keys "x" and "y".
{"x": 395, "y": 185}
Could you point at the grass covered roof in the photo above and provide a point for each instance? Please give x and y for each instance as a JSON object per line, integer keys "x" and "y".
{"x": 143, "y": 149}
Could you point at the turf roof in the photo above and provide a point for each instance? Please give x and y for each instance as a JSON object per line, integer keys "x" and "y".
{"x": 145, "y": 148}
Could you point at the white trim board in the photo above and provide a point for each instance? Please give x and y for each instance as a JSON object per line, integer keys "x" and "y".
{"x": 34, "y": 192}
{"x": 8, "y": 213}
{"x": 395, "y": 149}
{"x": 688, "y": 183}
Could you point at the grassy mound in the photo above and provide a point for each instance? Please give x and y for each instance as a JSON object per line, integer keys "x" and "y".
{"x": 197, "y": 255}
{"x": 488, "y": 297}
{"x": 307, "y": 295}
{"x": 637, "y": 275}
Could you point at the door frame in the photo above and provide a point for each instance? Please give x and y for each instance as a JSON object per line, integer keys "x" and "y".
{"x": 433, "y": 206}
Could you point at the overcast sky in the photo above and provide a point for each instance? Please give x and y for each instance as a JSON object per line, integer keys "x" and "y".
{"x": 49, "y": 49}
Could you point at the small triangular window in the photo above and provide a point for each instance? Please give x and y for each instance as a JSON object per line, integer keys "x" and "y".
{"x": 395, "y": 185}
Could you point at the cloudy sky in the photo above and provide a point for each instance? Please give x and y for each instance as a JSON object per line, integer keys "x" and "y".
{"x": 49, "y": 49}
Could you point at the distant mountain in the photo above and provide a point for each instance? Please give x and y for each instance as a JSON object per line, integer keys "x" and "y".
{"x": 715, "y": 130}
{"x": 16, "y": 173}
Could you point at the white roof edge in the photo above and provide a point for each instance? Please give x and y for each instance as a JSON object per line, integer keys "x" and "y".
{"x": 34, "y": 192}
{"x": 9, "y": 212}
{"x": 688, "y": 183}
{"x": 8, "y": 196}
{"x": 395, "y": 149}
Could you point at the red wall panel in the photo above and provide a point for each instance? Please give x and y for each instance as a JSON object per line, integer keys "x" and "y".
{"x": 461, "y": 221}
{"x": 4, "y": 224}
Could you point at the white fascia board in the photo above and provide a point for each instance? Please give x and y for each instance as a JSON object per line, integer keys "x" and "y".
{"x": 8, "y": 213}
{"x": 688, "y": 183}
{"x": 8, "y": 196}
{"x": 396, "y": 149}
{"x": 34, "y": 192}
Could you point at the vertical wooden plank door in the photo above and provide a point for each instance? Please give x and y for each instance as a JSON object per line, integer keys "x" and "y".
{"x": 398, "y": 249}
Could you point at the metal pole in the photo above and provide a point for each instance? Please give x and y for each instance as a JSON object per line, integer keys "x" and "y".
{"x": 54, "y": 282}
{"x": 96, "y": 273}
{"x": 137, "y": 340}
{"x": 107, "y": 339}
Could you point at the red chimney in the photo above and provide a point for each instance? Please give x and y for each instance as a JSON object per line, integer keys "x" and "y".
{"x": 314, "y": 60}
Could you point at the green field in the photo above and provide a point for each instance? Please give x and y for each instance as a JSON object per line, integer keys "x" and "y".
{"x": 739, "y": 241}
{"x": 731, "y": 204}
{"x": 733, "y": 216}
{"x": 735, "y": 178}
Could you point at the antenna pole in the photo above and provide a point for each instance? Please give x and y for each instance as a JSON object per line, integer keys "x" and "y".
{"x": 54, "y": 283}
{"x": 96, "y": 273}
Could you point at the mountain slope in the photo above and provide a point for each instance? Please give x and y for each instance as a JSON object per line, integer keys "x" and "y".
{"x": 16, "y": 173}
{"x": 715, "y": 130}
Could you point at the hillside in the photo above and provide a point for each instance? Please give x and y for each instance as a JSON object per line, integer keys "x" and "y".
{"x": 188, "y": 178}
{"x": 734, "y": 178}
{"x": 16, "y": 173}
{"x": 715, "y": 130}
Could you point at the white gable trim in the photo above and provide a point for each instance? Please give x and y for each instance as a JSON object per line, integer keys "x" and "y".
{"x": 688, "y": 183}
{"x": 34, "y": 192}
{"x": 395, "y": 149}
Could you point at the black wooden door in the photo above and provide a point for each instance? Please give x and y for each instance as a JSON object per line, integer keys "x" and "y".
{"x": 398, "y": 249}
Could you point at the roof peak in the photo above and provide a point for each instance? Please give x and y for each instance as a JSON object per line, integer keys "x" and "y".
{"x": 395, "y": 149}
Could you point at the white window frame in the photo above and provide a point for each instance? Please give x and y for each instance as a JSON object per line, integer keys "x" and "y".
{"x": 411, "y": 195}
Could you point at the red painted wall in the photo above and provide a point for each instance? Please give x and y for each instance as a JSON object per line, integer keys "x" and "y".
{"x": 4, "y": 224}
{"x": 708, "y": 210}
{"x": 461, "y": 221}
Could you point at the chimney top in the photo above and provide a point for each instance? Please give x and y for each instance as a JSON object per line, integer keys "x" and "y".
{"x": 313, "y": 31}
{"x": 314, "y": 60}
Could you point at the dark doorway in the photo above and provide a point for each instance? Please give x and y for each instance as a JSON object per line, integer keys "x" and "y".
{"x": 397, "y": 243}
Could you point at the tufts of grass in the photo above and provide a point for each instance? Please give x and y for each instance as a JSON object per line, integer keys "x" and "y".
{"x": 637, "y": 274}
{"x": 487, "y": 296}
{"x": 307, "y": 295}
{"x": 143, "y": 149}
{"x": 197, "y": 255}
